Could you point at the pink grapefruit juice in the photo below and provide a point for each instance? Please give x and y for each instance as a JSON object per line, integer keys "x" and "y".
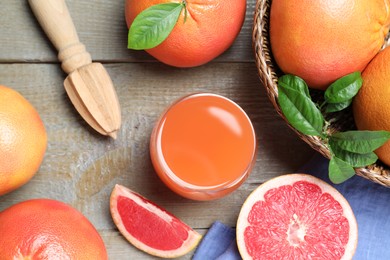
{"x": 203, "y": 146}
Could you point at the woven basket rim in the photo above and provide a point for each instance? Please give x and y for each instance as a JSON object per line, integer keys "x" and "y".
{"x": 268, "y": 74}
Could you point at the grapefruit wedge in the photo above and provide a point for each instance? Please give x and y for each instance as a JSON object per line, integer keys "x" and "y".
{"x": 149, "y": 227}
{"x": 296, "y": 216}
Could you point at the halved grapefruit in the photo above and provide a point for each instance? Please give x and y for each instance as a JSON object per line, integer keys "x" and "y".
{"x": 296, "y": 216}
{"x": 149, "y": 227}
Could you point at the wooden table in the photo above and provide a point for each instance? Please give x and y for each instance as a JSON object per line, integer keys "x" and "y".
{"x": 81, "y": 167}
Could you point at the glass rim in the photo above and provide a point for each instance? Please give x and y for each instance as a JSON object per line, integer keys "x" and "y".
{"x": 156, "y": 142}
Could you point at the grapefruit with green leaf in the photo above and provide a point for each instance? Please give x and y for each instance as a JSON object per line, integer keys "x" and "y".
{"x": 149, "y": 227}
{"x": 201, "y": 29}
{"x": 296, "y": 216}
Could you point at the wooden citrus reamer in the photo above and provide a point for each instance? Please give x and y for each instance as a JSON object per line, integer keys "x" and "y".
{"x": 88, "y": 84}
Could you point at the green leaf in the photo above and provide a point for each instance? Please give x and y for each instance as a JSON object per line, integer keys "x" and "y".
{"x": 361, "y": 142}
{"x": 339, "y": 171}
{"x": 344, "y": 89}
{"x": 354, "y": 159}
{"x": 294, "y": 82}
{"x": 334, "y": 107}
{"x": 153, "y": 25}
{"x": 298, "y": 108}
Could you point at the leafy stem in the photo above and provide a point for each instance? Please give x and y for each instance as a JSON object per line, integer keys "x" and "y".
{"x": 323, "y": 104}
{"x": 184, "y": 3}
{"x": 349, "y": 149}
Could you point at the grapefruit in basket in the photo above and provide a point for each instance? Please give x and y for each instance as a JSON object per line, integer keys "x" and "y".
{"x": 371, "y": 106}
{"x": 48, "y": 229}
{"x": 204, "y": 30}
{"x": 321, "y": 41}
{"x": 149, "y": 227}
{"x": 296, "y": 216}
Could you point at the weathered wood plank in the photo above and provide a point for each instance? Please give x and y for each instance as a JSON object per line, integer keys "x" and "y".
{"x": 119, "y": 248}
{"x": 81, "y": 167}
{"x": 101, "y": 27}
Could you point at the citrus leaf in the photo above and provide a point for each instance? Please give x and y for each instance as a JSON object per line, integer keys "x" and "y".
{"x": 344, "y": 89}
{"x": 353, "y": 159}
{"x": 298, "y": 108}
{"x": 153, "y": 25}
{"x": 339, "y": 171}
{"x": 294, "y": 82}
{"x": 359, "y": 141}
{"x": 335, "y": 107}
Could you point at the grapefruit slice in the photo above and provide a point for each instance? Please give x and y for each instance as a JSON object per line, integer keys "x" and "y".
{"x": 149, "y": 227}
{"x": 296, "y": 216}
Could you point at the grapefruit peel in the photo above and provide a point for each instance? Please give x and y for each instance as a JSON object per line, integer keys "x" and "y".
{"x": 149, "y": 227}
{"x": 298, "y": 230}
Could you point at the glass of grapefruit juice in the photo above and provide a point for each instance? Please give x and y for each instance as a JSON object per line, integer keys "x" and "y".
{"x": 203, "y": 146}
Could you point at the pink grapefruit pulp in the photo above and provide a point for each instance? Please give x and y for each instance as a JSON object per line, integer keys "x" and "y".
{"x": 149, "y": 227}
{"x": 296, "y": 216}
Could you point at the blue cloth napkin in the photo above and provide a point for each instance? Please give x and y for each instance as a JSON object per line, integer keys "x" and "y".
{"x": 369, "y": 201}
{"x": 218, "y": 243}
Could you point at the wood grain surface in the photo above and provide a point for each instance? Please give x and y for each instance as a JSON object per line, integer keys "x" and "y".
{"x": 81, "y": 167}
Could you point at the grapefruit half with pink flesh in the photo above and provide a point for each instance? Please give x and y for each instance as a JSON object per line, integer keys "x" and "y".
{"x": 149, "y": 227}
{"x": 296, "y": 216}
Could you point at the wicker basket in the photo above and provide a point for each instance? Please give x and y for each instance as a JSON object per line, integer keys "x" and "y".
{"x": 269, "y": 73}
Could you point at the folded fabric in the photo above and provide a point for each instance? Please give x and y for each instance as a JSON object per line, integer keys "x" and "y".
{"x": 218, "y": 243}
{"x": 369, "y": 201}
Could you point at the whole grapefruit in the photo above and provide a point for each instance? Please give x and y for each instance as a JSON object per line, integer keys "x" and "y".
{"x": 23, "y": 140}
{"x": 48, "y": 229}
{"x": 321, "y": 41}
{"x": 296, "y": 216}
{"x": 210, "y": 28}
{"x": 371, "y": 106}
